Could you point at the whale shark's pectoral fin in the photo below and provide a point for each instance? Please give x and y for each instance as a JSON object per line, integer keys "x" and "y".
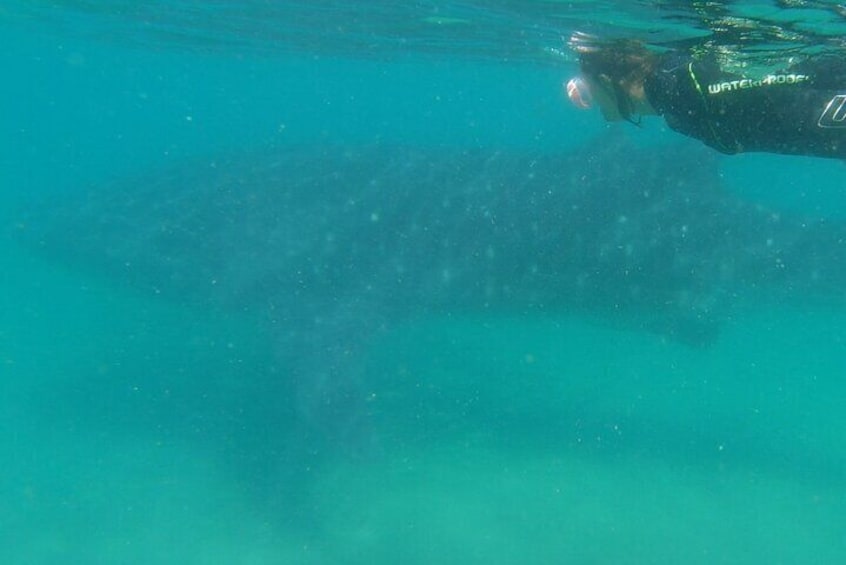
{"x": 324, "y": 354}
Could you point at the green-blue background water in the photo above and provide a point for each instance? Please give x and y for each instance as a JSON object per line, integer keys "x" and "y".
{"x": 512, "y": 440}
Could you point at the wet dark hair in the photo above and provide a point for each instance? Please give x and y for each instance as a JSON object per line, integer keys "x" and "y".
{"x": 619, "y": 64}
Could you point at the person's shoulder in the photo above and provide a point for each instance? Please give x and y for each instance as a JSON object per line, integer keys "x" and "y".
{"x": 668, "y": 82}
{"x": 682, "y": 65}
{"x": 673, "y": 61}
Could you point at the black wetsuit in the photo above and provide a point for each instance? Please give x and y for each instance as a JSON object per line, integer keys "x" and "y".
{"x": 800, "y": 111}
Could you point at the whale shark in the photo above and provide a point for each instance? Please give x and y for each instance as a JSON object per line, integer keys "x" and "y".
{"x": 332, "y": 245}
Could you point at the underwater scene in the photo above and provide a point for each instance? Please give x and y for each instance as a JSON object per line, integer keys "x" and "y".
{"x": 354, "y": 282}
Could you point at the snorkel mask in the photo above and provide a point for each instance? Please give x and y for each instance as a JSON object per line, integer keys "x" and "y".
{"x": 578, "y": 92}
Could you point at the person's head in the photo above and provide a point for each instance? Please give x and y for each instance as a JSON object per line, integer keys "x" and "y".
{"x": 613, "y": 75}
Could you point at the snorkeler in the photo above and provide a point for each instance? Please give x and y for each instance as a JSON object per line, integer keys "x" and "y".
{"x": 798, "y": 111}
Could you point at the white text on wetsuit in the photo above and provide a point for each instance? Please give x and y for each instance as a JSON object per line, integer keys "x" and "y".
{"x": 744, "y": 83}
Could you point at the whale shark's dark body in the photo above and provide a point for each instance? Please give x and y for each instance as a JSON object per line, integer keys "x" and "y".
{"x": 333, "y": 244}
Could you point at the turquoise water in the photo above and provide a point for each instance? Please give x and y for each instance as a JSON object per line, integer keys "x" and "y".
{"x": 138, "y": 429}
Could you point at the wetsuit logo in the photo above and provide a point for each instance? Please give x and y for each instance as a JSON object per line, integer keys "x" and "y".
{"x": 746, "y": 83}
{"x": 834, "y": 115}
